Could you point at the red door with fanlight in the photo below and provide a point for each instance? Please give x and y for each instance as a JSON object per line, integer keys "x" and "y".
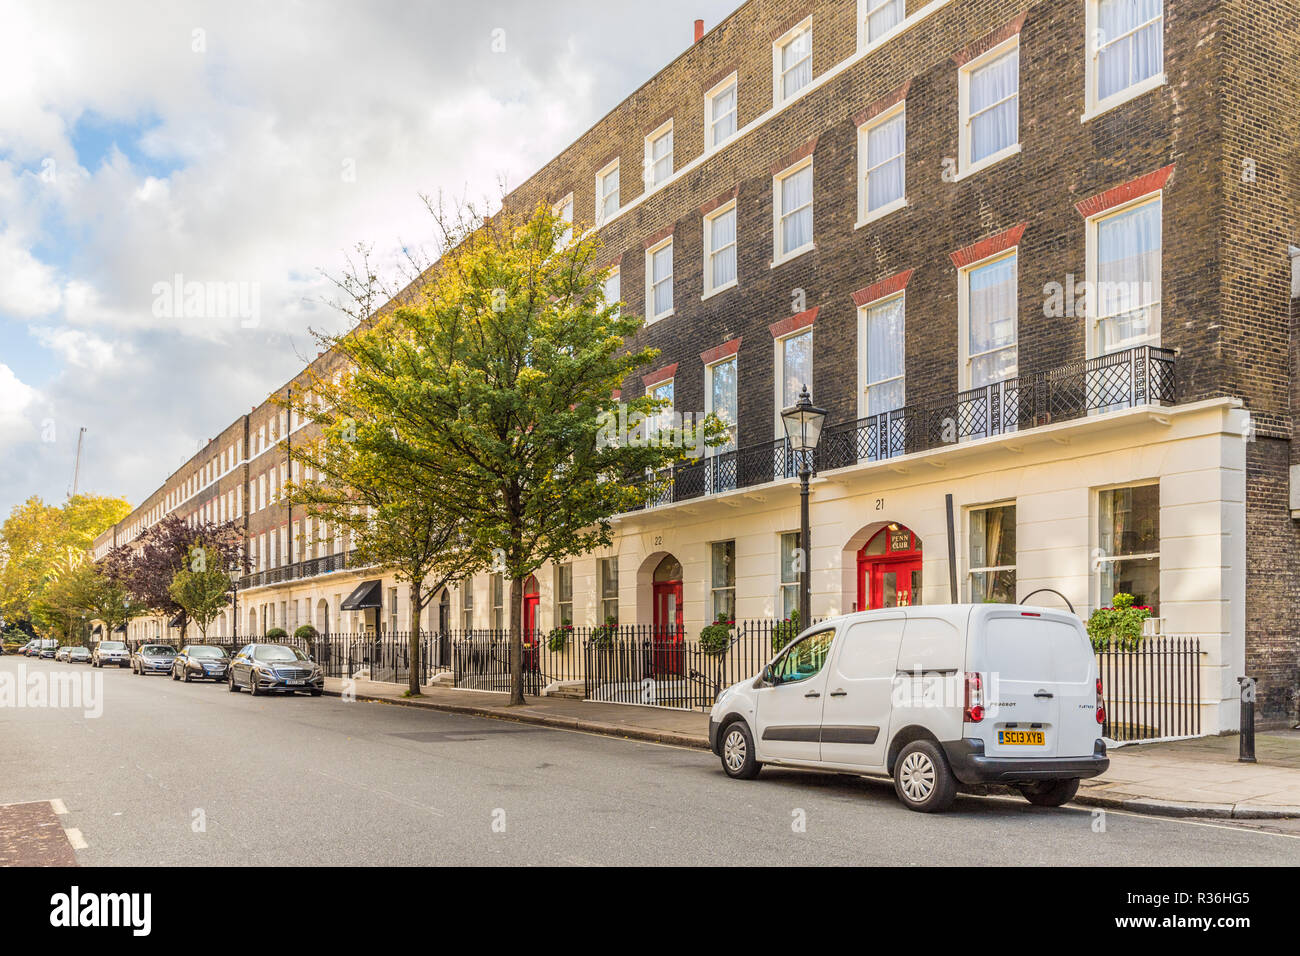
{"x": 668, "y": 629}
{"x": 531, "y": 599}
{"x": 889, "y": 569}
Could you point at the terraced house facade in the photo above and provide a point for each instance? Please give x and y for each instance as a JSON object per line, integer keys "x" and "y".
{"x": 1032, "y": 256}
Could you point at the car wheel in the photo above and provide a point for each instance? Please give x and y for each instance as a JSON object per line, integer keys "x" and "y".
{"x": 1050, "y": 793}
{"x": 737, "y": 746}
{"x": 922, "y": 778}
{"x": 252, "y": 686}
{"x": 232, "y": 686}
{"x": 185, "y": 675}
{"x": 316, "y": 693}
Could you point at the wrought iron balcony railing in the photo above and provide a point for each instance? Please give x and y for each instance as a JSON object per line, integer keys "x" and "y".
{"x": 310, "y": 568}
{"x": 1127, "y": 379}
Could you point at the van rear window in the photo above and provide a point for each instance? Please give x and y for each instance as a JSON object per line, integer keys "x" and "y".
{"x": 1029, "y": 649}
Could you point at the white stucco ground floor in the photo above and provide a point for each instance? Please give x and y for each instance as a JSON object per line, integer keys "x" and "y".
{"x": 1151, "y": 501}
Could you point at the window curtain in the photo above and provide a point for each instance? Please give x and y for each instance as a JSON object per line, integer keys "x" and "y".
{"x": 796, "y": 362}
{"x": 994, "y": 106}
{"x": 1128, "y": 278}
{"x": 885, "y": 162}
{"x": 662, "y": 274}
{"x": 797, "y": 51}
{"x": 885, "y": 348}
{"x": 991, "y": 316}
{"x": 661, "y": 154}
{"x": 722, "y": 243}
{"x": 724, "y": 114}
{"x": 1130, "y": 44}
{"x": 723, "y": 392}
{"x": 884, "y": 16}
{"x": 796, "y": 194}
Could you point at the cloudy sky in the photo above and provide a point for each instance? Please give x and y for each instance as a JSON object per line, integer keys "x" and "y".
{"x": 250, "y": 143}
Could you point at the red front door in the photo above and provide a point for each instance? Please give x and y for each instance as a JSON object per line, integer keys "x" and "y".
{"x": 668, "y": 630}
{"x": 531, "y": 598}
{"x": 889, "y": 570}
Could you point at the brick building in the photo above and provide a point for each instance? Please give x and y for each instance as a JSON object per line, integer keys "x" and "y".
{"x": 1030, "y": 255}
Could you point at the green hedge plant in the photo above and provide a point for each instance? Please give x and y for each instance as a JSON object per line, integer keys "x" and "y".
{"x": 1119, "y": 626}
{"x": 715, "y": 638}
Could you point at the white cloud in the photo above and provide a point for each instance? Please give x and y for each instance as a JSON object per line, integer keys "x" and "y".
{"x": 229, "y": 167}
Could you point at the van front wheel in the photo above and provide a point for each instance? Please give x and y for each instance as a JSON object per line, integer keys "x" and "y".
{"x": 922, "y": 778}
{"x": 1050, "y": 793}
{"x": 737, "y": 748}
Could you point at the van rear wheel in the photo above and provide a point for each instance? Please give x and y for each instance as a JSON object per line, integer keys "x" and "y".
{"x": 922, "y": 778}
{"x": 1050, "y": 793}
{"x": 737, "y": 749}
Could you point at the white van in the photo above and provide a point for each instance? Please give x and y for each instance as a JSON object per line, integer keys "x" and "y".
{"x": 934, "y": 696}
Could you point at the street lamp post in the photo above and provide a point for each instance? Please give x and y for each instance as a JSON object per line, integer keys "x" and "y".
{"x": 803, "y": 427}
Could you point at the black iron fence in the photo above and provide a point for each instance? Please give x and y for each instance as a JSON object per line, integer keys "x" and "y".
{"x": 1152, "y": 690}
{"x": 1125, "y": 379}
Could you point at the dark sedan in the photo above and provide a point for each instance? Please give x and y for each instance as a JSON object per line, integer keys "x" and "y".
{"x": 153, "y": 659}
{"x": 274, "y": 668}
{"x": 200, "y": 662}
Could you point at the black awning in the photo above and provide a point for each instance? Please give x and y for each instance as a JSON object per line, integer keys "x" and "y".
{"x": 178, "y": 620}
{"x": 120, "y": 629}
{"x": 366, "y": 595}
{"x": 99, "y": 629}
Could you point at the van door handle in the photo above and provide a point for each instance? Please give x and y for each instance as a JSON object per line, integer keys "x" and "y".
{"x": 813, "y": 693}
{"x": 839, "y": 693}
{"x": 1043, "y": 693}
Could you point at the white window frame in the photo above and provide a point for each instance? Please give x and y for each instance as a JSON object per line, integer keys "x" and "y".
{"x": 708, "y": 400}
{"x": 971, "y": 570}
{"x": 709, "y": 119}
{"x": 863, "y": 382}
{"x": 778, "y": 75}
{"x": 1093, "y": 224}
{"x": 716, "y": 589}
{"x": 709, "y": 288}
{"x": 780, "y": 255}
{"x": 963, "y": 313}
{"x": 868, "y": 7}
{"x": 650, "y": 315}
{"x": 964, "y": 165}
{"x": 559, "y": 209}
{"x": 615, "y": 274}
{"x": 611, "y": 169}
{"x": 778, "y": 363}
{"x": 653, "y": 137}
{"x": 864, "y": 134}
{"x": 1093, "y": 106}
{"x": 1095, "y": 534}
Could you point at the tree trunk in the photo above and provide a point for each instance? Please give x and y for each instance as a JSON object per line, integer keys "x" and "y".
{"x": 516, "y": 641}
{"x": 413, "y": 678}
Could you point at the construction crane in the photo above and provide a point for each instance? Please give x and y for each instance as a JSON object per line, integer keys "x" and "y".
{"x": 76, "y": 465}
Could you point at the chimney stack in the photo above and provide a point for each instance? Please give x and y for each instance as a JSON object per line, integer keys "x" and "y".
{"x": 699, "y": 30}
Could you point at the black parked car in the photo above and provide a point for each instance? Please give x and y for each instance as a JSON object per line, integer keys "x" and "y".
{"x": 200, "y": 662}
{"x": 153, "y": 659}
{"x": 278, "y": 668}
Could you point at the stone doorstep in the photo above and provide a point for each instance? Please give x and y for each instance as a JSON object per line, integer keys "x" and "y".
{"x": 1099, "y": 792}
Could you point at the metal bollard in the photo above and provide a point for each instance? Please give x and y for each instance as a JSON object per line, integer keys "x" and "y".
{"x": 1247, "y": 739}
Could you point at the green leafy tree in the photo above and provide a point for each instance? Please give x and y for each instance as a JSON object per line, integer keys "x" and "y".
{"x": 201, "y": 587}
{"x": 494, "y": 382}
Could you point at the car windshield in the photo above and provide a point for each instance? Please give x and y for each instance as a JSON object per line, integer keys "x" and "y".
{"x": 278, "y": 652}
{"x": 112, "y": 646}
{"x": 80, "y": 650}
{"x": 157, "y": 650}
{"x": 202, "y": 650}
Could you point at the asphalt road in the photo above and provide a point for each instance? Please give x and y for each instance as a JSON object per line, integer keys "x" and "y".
{"x": 175, "y": 774}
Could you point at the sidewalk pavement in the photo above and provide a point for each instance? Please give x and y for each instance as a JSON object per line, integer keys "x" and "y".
{"x": 1197, "y": 778}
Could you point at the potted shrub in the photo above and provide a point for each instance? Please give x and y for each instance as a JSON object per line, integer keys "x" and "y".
{"x": 276, "y": 634}
{"x": 305, "y": 632}
{"x": 783, "y": 632}
{"x": 715, "y": 638}
{"x": 603, "y": 635}
{"x": 1118, "y": 626}
{"x": 558, "y": 639}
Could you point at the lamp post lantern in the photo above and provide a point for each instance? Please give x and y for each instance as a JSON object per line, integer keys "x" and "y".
{"x": 803, "y": 428}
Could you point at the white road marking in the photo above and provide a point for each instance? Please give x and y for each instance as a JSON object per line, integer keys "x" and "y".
{"x": 76, "y": 839}
{"x": 58, "y": 807}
